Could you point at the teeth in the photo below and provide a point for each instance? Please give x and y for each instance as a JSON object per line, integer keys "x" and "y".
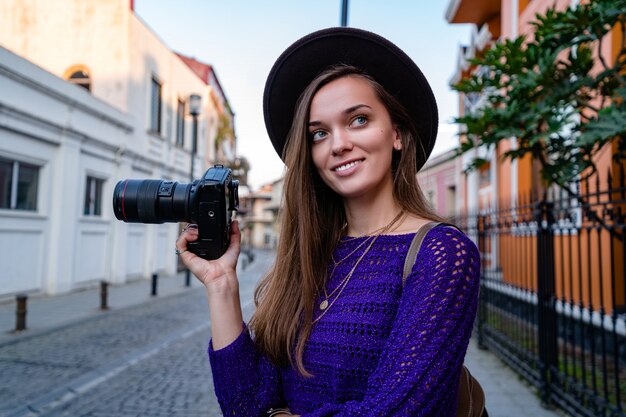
{"x": 347, "y": 166}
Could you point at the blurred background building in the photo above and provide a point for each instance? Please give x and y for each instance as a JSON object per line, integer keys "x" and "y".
{"x": 262, "y": 224}
{"x": 438, "y": 180}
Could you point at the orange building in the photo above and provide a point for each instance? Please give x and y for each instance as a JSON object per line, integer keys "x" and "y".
{"x": 588, "y": 263}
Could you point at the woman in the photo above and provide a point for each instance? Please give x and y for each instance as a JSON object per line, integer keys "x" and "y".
{"x": 338, "y": 330}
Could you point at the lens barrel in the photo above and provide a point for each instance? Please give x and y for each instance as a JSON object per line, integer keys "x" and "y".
{"x": 152, "y": 201}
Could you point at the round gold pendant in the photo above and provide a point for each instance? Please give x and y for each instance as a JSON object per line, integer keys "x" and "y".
{"x": 324, "y": 305}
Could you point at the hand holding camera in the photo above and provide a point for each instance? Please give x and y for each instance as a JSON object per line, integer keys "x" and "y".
{"x": 218, "y": 276}
{"x": 209, "y": 202}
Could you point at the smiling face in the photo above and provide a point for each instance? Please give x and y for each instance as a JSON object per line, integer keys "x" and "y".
{"x": 352, "y": 138}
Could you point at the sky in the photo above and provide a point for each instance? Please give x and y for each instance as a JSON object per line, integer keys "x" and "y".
{"x": 243, "y": 38}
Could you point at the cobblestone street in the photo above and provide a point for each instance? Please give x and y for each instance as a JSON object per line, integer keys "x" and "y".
{"x": 145, "y": 360}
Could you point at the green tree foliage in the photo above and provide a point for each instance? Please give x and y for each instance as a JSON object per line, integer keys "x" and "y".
{"x": 224, "y": 131}
{"x": 553, "y": 92}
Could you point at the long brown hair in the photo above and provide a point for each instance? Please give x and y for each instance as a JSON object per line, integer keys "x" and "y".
{"x": 312, "y": 220}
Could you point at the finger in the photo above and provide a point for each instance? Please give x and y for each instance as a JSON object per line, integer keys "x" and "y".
{"x": 193, "y": 262}
{"x": 185, "y": 237}
{"x": 199, "y": 266}
{"x": 230, "y": 256}
{"x": 181, "y": 246}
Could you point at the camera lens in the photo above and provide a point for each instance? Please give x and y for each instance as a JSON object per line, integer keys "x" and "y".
{"x": 152, "y": 201}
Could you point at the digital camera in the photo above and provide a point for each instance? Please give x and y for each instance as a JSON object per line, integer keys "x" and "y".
{"x": 209, "y": 202}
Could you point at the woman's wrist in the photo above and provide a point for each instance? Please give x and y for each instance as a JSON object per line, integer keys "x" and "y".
{"x": 226, "y": 318}
{"x": 225, "y": 286}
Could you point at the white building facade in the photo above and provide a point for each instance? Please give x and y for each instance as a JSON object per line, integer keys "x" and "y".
{"x": 63, "y": 147}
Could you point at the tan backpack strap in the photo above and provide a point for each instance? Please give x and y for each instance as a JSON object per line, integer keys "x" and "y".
{"x": 471, "y": 397}
{"x": 415, "y": 248}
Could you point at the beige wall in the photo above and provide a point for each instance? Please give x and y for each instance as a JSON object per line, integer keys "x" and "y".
{"x": 122, "y": 54}
{"x": 58, "y": 34}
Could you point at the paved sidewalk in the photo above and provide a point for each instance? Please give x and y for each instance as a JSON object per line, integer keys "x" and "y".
{"x": 50, "y": 312}
{"x": 506, "y": 394}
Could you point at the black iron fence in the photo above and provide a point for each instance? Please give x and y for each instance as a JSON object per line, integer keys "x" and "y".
{"x": 553, "y": 293}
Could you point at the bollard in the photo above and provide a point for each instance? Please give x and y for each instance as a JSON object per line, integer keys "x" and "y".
{"x": 20, "y": 313}
{"x": 154, "y": 284}
{"x": 104, "y": 295}
{"x": 187, "y": 278}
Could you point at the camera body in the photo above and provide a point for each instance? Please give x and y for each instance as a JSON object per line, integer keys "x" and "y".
{"x": 209, "y": 202}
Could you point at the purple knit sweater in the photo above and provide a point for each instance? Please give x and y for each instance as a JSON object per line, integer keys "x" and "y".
{"x": 383, "y": 349}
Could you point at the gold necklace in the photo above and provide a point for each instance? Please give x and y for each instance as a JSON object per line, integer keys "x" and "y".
{"x": 351, "y": 238}
{"x": 336, "y": 263}
{"x": 324, "y": 305}
{"x": 379, "y": 231}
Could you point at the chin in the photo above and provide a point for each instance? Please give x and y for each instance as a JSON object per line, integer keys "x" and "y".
{"x": 352, "y": 192}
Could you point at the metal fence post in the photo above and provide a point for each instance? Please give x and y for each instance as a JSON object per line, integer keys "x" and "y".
{"x": 20, "y": 312}
{"x": 547, "y": 319}
{"x": 104, "y": 295}
{"x": 482, "y": 302}
{"x": 153, "y": 292}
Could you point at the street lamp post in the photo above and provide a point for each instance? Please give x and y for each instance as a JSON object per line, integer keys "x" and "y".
{"x": 195, "y": 104}
{"x": 344, "y": 13}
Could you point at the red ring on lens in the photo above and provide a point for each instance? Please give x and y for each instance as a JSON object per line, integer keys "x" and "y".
{"x": 123, "y": 192}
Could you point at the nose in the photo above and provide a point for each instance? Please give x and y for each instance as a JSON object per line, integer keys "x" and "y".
{"x": 341, "y": 142}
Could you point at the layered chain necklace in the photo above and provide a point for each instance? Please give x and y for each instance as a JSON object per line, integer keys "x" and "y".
{"x": 324, "y": 303}
{"x": 327, "y": 302}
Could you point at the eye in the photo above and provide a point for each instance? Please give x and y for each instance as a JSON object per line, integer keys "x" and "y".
{"x": 359, "y": 120}
{"x": 318, "y": 135}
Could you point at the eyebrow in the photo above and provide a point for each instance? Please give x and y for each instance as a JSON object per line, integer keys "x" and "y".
{"x": 345, "y": 112}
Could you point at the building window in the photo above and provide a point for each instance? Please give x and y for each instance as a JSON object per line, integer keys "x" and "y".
{"x": 18, "y": 185}
{"x": 79, "y": 75}
{"x": 430, "y": 195}
{"x": 180, "y": 124}
{"x": 93, "y": 197}
{"x": 155, "y": 106}
{"x": 451, "y": 200}
{"x": 484, "y": 176}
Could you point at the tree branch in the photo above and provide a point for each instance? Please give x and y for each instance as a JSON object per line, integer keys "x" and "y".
{"x": 600, "y": 56}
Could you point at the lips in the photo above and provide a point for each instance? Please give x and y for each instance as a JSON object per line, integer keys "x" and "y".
{"x": 347, "y": 165}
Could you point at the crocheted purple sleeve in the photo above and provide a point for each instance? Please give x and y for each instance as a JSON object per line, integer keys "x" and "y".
{"x": 246, "y": 383}
{"x": 413, "y": 371}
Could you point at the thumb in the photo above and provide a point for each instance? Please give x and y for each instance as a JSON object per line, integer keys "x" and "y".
{"x": 235, "y": 241}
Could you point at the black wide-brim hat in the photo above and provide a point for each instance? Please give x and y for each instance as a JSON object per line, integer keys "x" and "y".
{"x": 376, "y": 56}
